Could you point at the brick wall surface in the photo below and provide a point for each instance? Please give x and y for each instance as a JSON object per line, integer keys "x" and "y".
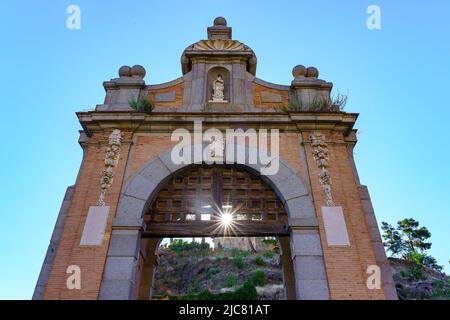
{"x": 257, "y": 101}
{"x": 178, "y": 88}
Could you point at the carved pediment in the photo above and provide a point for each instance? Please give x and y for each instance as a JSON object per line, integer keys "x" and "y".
{"x": 223, "y": 47}
{"x": 219, "y": 45}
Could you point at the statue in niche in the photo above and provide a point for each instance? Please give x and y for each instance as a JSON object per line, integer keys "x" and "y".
{"x": 218, "y": 89}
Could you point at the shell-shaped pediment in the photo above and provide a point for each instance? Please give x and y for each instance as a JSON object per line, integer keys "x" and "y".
{"x": 218, "y": 45}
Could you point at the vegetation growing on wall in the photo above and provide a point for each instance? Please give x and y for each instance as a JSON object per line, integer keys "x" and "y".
{"x": 319, "y": 104}
{"x": 142, "y": 104}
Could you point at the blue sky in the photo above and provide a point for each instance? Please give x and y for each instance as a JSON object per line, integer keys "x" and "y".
{"x": 397, "y": 79}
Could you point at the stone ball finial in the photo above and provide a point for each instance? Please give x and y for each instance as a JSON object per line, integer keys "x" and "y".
{"x": 299, "y": 71}
{"x": 312, "y": 72}
{"x": 125, "y": 71}
{"x": 138, "y": 71}
{"x": 220, "y": 21}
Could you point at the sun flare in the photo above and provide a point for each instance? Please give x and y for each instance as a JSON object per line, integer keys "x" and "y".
{"x": 226, "y": 219}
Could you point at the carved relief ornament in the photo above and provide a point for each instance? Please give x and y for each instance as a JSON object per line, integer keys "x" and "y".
{"x": 111, "y": 160}
{"x": 320, "y": 154}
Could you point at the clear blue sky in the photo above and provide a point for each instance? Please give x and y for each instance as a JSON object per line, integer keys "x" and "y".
{"x": 397, "y": 79}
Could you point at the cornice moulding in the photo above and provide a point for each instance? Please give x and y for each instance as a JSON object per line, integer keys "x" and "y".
{"x": 132, "y": 121}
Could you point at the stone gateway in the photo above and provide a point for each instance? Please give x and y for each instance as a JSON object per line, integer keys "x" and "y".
{"x": 129, "y": 194}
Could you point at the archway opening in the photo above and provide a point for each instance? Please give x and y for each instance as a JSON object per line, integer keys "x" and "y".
{"x": 232, "y": 268}
{"x": 207, "y": 220}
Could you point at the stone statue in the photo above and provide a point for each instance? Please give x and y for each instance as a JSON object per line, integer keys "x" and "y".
{"x": 218, "y": 89}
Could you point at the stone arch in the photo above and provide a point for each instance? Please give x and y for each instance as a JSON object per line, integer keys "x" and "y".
{"x": 119, "y": 275}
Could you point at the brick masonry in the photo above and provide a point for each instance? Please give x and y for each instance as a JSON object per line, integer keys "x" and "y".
{"x": 259, "y": 91}
{"x": 345, "y": 267}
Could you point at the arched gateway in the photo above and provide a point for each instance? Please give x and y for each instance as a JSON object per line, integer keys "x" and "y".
{"x": 292, "y": 175}
{"x": 284, "y": 209}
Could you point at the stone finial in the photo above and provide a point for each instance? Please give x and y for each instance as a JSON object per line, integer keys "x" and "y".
{"x": 137, "y": 71}
{"x": 299, "y": 71}
{"x": 125, "y": 71}
{"x": 219, "y": 30}
{"x": 312, "y": 72}
{"x": 220, "y": 21}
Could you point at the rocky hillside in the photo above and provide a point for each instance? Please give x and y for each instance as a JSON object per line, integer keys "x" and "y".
{"x": 419, "y": 283}
{"x": 194, "y": 271}
{"x": 220, "y": 273}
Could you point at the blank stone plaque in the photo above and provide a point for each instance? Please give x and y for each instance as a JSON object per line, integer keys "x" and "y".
{"x": 94, "y": 227}
{"x": 335, "y": 228}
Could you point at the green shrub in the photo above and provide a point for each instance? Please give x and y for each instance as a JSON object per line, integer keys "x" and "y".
{"x": 212, "y": 271}
{"x": 270, "y": 242}
{"x": 259, "y": 260}
{"x": 414, "y": 272}
{"x": 246, "y": 292}
{"x": 318, "y": 104}
{"x": 236, "y": 252}
{"x": 268, "y": 254}
{"x": 230, "y": 281}
{"x": 141, "y": 104}
{"x": 179, "y": 245}
{"x": 258, "y": 278}
{"x": 238, "y": 262}
{"x": 441, "y": 290}
{"x": 195, "y": 287}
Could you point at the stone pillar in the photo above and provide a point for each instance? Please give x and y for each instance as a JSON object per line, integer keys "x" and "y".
{"x": 120, "y": 270}
{"x": 238, "y": 82}
{"x": 198, "y": 94}
{"x": 309, "y": 268}
{"x": 119, "y": 277}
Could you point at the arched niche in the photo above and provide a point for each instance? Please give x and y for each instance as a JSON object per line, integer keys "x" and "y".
{"x": 212, "y": 75}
